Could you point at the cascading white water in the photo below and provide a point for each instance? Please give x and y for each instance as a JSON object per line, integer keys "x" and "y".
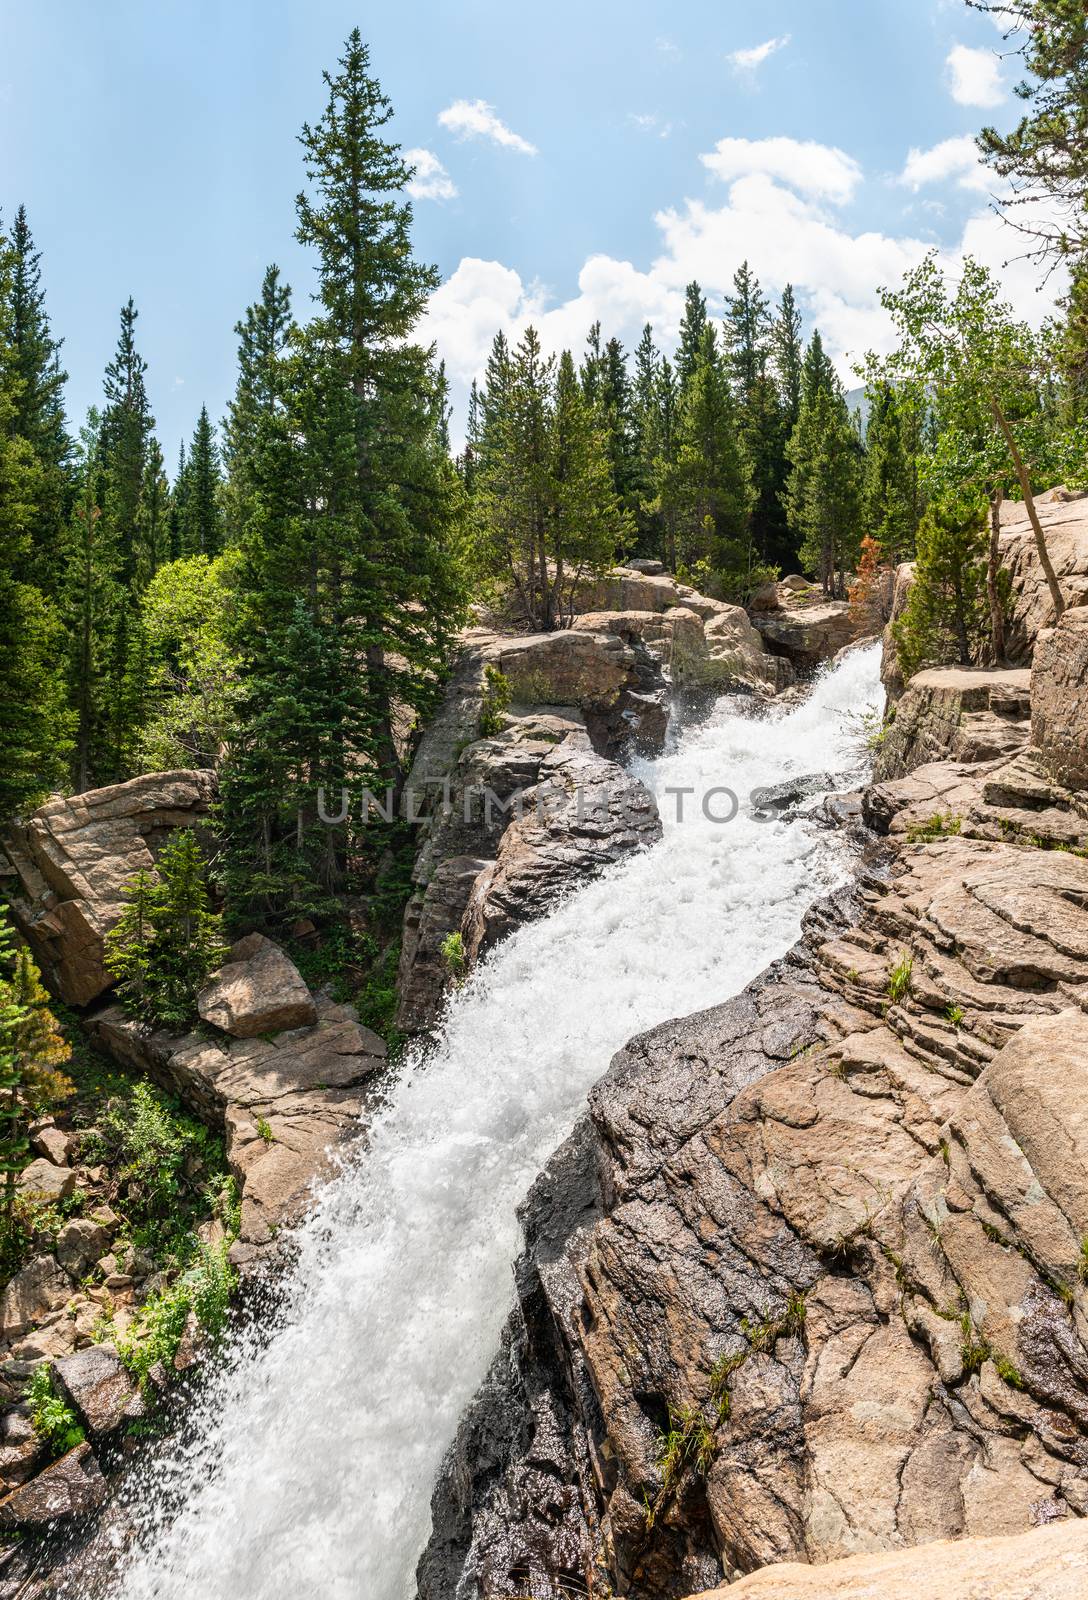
{"x": 318, "y": 1448}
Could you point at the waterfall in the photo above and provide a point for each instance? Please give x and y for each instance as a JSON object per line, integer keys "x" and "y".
{"x": 316, "y": 1447}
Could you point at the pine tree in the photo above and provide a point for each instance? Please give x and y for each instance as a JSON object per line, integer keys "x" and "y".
{"x": 646, "y": 427}
{"x": 126, "y": 429}
{"x": 788, "y": 357}
{"x": 38, "y": 404}
{"x": 202, "y": 527}
{"x": 829, "y": 515}
{"x": 127, "y": 465}
{"x": 817, "y": 380}
{"x": 90, "y": 600}
{"x": 762, "y": 418}
{"x": 35, "y": 727}
{"x": 892, "y": 497}
{"x": 264, "y": 334}
{"x": 546, "y": 508}
{"x": 352, "y": 509}
{"x": 747, "y": 332}
{"x": 706, "y": 491}
{"x": 178, "y": 499}
{"x": 168, "y": 941}
{"x": 694, "y": 326}
{"x": 946, "y": 616}
{"x": 32, "y": 1049}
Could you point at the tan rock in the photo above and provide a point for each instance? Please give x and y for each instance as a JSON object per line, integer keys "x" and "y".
{"x": 97, "y": 1384}
{"x": 72, "y": 859}
{"x": 37, "y": 1289}
{"x": 53, "y": 1144}
{"x": 258, "y": 990}
{"x": 1059, "y": 699}
{"x": 806, "y": 628}
{"x": 962, "y": 714}
{"x": 44, "y": 1182}
{"x": 1048, "y": 1563}
{"x": 304, "y": 1086}
{"x": 80, "y": 1244}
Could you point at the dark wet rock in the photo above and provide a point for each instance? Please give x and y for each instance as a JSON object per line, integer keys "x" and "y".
{"x": 71, "y": 1487}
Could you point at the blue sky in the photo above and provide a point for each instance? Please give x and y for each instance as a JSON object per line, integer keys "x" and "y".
{"x": 579, "y": 160}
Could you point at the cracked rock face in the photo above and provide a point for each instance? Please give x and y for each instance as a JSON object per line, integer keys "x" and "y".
{"x": 287, "y": 1103}
{"x": 72, "y": 859}
{"x": 1050, "y": 1563}
{"x": 832, "y": 1251}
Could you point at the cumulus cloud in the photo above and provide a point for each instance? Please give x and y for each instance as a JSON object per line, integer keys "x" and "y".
{"x": 818, "y": 170}
{"x": 956, "y": 159}
{"x": 776, "y": 217}
{"x": 974, "y": 76}
{"x": 475, "y": 119}
{"x": 431, "y": 180}
{"x": 753, "y": 58}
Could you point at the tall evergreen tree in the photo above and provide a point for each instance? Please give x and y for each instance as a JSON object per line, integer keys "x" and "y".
{"x": 354, "y": 511}
{"x": 892, "y": 496}
{"x": 547, "y": 512}
{"x": 91, "y": 599}
{"x": 202, "y": 526}
{"x": 823, "y": 492}
{"x": 35, "y": 727}
{"x": 747, "y": 332}
{"x": 38, "y": 403}
{"x": 788, "y": 352}
{"x": 693, "y": 330}
{"x": 706, "y": 490}
{"x": 125, "y": 434}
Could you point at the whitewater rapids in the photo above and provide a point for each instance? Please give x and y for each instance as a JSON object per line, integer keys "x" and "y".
{"x": 317, "y": 1448}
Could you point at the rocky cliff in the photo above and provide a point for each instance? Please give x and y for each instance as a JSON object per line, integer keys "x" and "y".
{"x": 808, "y": 1282}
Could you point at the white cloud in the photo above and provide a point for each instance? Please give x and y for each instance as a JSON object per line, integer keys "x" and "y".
{"x": 650, "y": 122}
{"x": 956, "y": 158}
{"x": 815, "y": 169}
{"x": 974, "y": 76}
{"x": 431, "y": 180}
{"x": 785, "y": 235}
{"x": 753, "y": 58}
{"x": 475, "y": 119}
{"x": 666, "y": 47}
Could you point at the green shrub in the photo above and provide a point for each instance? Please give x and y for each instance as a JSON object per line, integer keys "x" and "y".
{"x": 169, "y": 1171}
{"x": 53, "y": 1419}
{"x": 167, "y": 942}
{"x": 453, "y": 954}
{"x": 498, "y": 692}
{"x": 155, "y": 1333}
{"x": 900, "y": 978}
{"x": 938, "y": 826}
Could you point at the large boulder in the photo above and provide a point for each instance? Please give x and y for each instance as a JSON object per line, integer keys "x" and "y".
{"x": 258, "y": 990}
{"x": 701, "y": 643}
{"x": 1064, "y": 520}
{"x": 33, "y": 1293}
{"x": 71, "y": 1487}
{"x": 1048, "y": 1563}
{"x": 70, "y": 861}
{"x": 807, "y": 628}
{"x": 97, "y": 1384}
{"x": 584, "y": 814}
{"x": 287, "y": 1102}
{"x": 1059, "y": 699}
{"x": 956, "y": 713}
{"x": 44, "y": 1182}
